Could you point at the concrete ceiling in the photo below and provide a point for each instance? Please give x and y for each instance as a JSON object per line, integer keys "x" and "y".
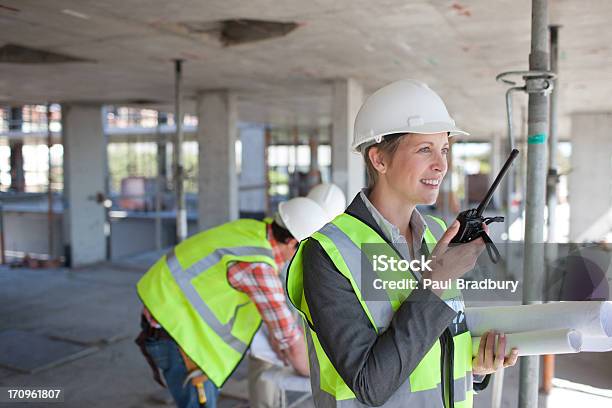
{"x": 458, "y": 47}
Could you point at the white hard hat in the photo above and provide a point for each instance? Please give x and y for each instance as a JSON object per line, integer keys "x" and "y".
{"x": 405, "y": 106}
{"x": 302, "y": 217}
{"x": 330, "y": 197}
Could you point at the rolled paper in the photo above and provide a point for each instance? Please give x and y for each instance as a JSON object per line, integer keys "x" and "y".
{"x": 596, "y": 343}
{"x": 539, "y": 342}
{"x": 592, "y": 318}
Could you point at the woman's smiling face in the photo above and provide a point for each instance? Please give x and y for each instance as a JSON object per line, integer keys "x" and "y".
{"x": 417, "y": 167}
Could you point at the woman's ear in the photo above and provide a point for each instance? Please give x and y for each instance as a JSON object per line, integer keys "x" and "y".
{"x": 377, "y": 158}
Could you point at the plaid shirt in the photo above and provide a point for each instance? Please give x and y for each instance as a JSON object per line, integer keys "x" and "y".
{"x": 263, "y": 286}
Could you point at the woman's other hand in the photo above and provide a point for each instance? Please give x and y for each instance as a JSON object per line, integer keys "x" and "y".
{"x": 492, "y": 354}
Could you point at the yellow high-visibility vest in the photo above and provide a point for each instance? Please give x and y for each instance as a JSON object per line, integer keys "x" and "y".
{"x": 344, "y": 240}
{"x": 188, "y": 293}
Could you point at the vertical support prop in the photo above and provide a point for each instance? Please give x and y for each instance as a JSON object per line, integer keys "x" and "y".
{"x": 551, "y": 190}
{"x": 268, "y": 141}
{"x": 2, "y": 258}
{"x": 537, "y": 128}
{"x": 181, "y": 211}
{"x": 161, "y": 155}
{"x": 498, "y": 388}
{"x": 553, "y": 171}
{"x": 49, "y": 182}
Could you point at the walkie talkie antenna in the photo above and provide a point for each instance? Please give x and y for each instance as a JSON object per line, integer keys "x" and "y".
{"x": 485, "y": 202}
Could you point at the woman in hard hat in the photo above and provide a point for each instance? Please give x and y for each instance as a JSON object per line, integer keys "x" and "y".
{"x": 382, "y": 336}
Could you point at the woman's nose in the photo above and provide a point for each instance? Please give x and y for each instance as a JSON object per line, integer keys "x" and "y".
{"x": 439, "y": 163}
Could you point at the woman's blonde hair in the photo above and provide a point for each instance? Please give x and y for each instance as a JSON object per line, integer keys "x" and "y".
{"x": 387, "y": 146}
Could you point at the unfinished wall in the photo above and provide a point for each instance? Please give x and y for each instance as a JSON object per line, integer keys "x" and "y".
{"x": 84, "y": 167}
{"x": 590, "y": 179}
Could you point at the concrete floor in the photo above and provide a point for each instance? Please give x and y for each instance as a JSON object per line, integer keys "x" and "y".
{"x": 101, "y": 300}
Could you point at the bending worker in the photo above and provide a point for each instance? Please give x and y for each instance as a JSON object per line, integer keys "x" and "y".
{"x": 407, "y": 347}
{"x": 205, "y": 300}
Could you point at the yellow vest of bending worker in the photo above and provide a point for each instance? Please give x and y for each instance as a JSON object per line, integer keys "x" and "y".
{"x": 346, "y": 240}
{"x": 188, "y": 293}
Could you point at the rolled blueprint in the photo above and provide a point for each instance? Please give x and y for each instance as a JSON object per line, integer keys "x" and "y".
{"x": 596, "y": 344}
{"x": 535, "y": 343}
{"x": 590, "y": 318}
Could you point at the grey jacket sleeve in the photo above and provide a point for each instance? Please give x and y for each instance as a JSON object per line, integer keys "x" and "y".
{"x": 372, "y": 365}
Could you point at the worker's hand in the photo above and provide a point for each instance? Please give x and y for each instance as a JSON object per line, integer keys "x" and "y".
{"x": 453, "y": 262}
{"x": 295, "y": 355}
{"x": 492, "y": 354}
{"x": 280, "y": 353}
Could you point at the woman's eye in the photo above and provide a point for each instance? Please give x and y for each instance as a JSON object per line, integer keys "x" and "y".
{"x": 445, "y": 151}
{"x": 424, "y": 150}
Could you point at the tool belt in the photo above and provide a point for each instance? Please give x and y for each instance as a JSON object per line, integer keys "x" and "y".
{"x": 149, "y": 331}
{"x": 194, "y": 374}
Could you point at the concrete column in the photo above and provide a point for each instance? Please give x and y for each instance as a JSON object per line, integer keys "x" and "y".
{"x": 16, "y": 146}
{"x": 252, "y": 195}
{"x": 16, "y": 163}
{"x": 590, "y": 189}
{"x": 348, "y": 169}
{"x": 84, "y": 163}
{"x": 218, "y": 181}
{"x": 314, "y": 173}
{"x": 162, "y": 163}
{"x": 15, "y": 119}
{"x": 162, "y": 152}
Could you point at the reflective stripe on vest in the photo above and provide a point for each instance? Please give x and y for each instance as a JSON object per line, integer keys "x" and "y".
{"x": 212, "y": 322}
{"x": 183, "y": 279}
{"x": 423, "y": 388}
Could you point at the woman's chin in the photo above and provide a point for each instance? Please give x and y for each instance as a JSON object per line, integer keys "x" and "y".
{"x": 429, "y": 199}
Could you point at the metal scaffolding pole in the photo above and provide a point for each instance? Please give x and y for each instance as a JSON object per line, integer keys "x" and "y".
{"x": 181, "y": 212}
{"x": 553, "y": 171}
{"x": 49, "y": 183}
{"x": 510, "y": 177}
{"x": 537, "y": 128}
{"x": 161, "y": 155}
{"x": 268, "y": 141}
{"x": 552, "y": 181}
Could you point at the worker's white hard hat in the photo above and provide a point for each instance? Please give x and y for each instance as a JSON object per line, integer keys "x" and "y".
{"x": 302, "y": 217}
{"x": 405, "y": 106}
{"x": 330, "y": 197}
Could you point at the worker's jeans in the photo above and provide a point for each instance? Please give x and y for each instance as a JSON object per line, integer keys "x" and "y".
{"x": 168, "y": 358}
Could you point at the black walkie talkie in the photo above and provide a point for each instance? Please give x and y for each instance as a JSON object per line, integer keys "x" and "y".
{"x": 471, "y": 220}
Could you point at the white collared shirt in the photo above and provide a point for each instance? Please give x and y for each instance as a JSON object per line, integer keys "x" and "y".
{"x": 393, "y": 233}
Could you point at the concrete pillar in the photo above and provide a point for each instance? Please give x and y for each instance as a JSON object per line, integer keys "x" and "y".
{"x": 16, "y": 146}
{"x": 16, "y": 163}
{"x": 15, "y": 118}
{"x": 348, "y": 169}
{"x": 314, "y": 173}
{"x": 162, "y": 152}
{"x": 252, "y": 195}
{"x": 84, "y": 163}
{"x": 218, "y": 181}
{"x": 162, "y": 163}
{"x": 590, "y": 189}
